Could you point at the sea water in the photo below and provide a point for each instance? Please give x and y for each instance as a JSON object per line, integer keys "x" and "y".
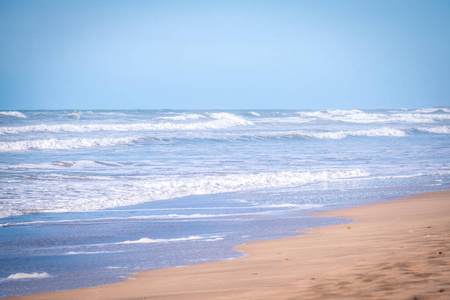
{"x": 87, "y": 197}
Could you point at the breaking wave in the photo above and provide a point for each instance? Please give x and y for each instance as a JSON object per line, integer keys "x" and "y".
{"x": 182, "y": 117}
{"x": 238, "y": 182}
{"x": 286, "y": 207}
{"x": 378, "y": 132}
{"x": 110, "y": 194}
{"x": 255, "y": 114}
{"x": 16, "y": 114}
{"x": 321, "y": 135}
{"x": 191, "y": 238}
{"x": 22, "y": 276}
{"x": 90, "y": 253}
{"x": 216, "y": 121}
{"x": 432, "y": 110}
{"x": 78, "y": 143}
{"x": 74, "y": 115}
{"x": 55, "y": 144}
{"x": 439, "y": 129}
{"x": 359, "y": 116}
{"x": 5, "y": 213}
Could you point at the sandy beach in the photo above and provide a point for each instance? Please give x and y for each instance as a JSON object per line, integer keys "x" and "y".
{"x": 392, "y": 250}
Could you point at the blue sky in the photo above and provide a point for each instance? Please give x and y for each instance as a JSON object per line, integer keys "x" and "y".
{"x": 224, "y": 54}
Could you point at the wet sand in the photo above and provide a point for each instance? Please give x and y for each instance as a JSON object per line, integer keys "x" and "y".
{"x": 393, "y": 250}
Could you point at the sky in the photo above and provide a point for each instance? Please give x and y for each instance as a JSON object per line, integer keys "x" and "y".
{"x": 279, "y": 54}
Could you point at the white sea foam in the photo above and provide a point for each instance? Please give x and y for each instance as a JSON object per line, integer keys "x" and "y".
{"x": 4, "y": 213}
{"x": 16, "y": 114}
{"x": 21, "y": 276}
{"x": 432, "y": 110}
{"x": 216, "y": 121}
{"x": 439, "y": 129}
{"x": 75, "y": 115}
{"x": 93, "y": 195}
{"x": 76, "y": 143}
{"x": 253, "y": 113}
{"x": 152, "y": 241}
{"x": 55, "y": 144}
{"x": 426, "y": 110}
{"x": 377, "y": 132}
{"x": 289, "y": 207}
{"x": 90, "y": 252}
{"x": 146, "y": 240}
{"x": 336, "y": 135}
{"x": 238, "y": 182}
{"x": 61, "y": 165}
{"x": 286, "y": 120}
{"x": 182, "y": 117}
{"x": 112, "y": 113}
{"x": 358, "y": 116}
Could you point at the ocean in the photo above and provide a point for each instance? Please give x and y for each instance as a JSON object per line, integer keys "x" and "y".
{"x": 88, "y": 197}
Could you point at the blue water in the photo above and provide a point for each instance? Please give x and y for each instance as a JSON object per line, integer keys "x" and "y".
{"x": 87, "y": 197}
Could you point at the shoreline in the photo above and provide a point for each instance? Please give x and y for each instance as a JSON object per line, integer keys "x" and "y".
{"x": 393, "y": 249}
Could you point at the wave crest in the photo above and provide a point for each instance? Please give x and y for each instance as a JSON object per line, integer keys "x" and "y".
{"x": 336, "y": 135}
{"x": 237, "y": 182}
{"x": 139, "y": 191}
{"x": 16, "y": 114}
{"x": 181, "y": 117}
{"x": 191, "y": 238}
{"x": 19, "y": 276}
{"x": 55, "y": 144}
{"x": 439, "y": 129}
{"x": 359, "y": 116}
{"x": 219, "y": 121}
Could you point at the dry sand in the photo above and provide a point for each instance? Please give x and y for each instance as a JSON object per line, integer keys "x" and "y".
{"x": 394, "y": 250}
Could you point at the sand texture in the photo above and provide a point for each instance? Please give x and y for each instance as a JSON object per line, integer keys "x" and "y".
{"x": 394, "y": 250}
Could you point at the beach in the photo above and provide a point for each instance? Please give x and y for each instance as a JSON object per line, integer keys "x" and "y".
{"x": 390, "y": 250}
{"x": 91, "y": 196}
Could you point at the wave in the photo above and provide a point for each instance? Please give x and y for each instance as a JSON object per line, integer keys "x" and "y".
{"x": 16, "y": 114}
{"x": 55, "y": 144}
{"x": 432, "y": 110}
{"x": 110, "y": 194}
{"x": 289, "y": 207}
{"x": 61, "y": 164}
{"x": 5, "y": 213}
{"x": 112, "y": 113}
{"x": 74, "y": 115}
{"x": 285, "y": 120}
{"x": 255, "y": 114}
{"x": 152, "y": 241}
{"x": 237, "y": 182}
{"x": 21, "y": 276}
{"x": 144, "y": 217}
{"x": 286, "y": 205}
{"x": 77, "y": 143}
{"x": 359, "y": 116}
{"x": 219, "y": 121}
{"x": 378, "y": 132}
{"x": 335, "y": 135}
{"x": 144, "y": 240}
{"x": 182, "y": 117}
{"x": 90, "y": 253}
{"x": 439, "y": 129}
